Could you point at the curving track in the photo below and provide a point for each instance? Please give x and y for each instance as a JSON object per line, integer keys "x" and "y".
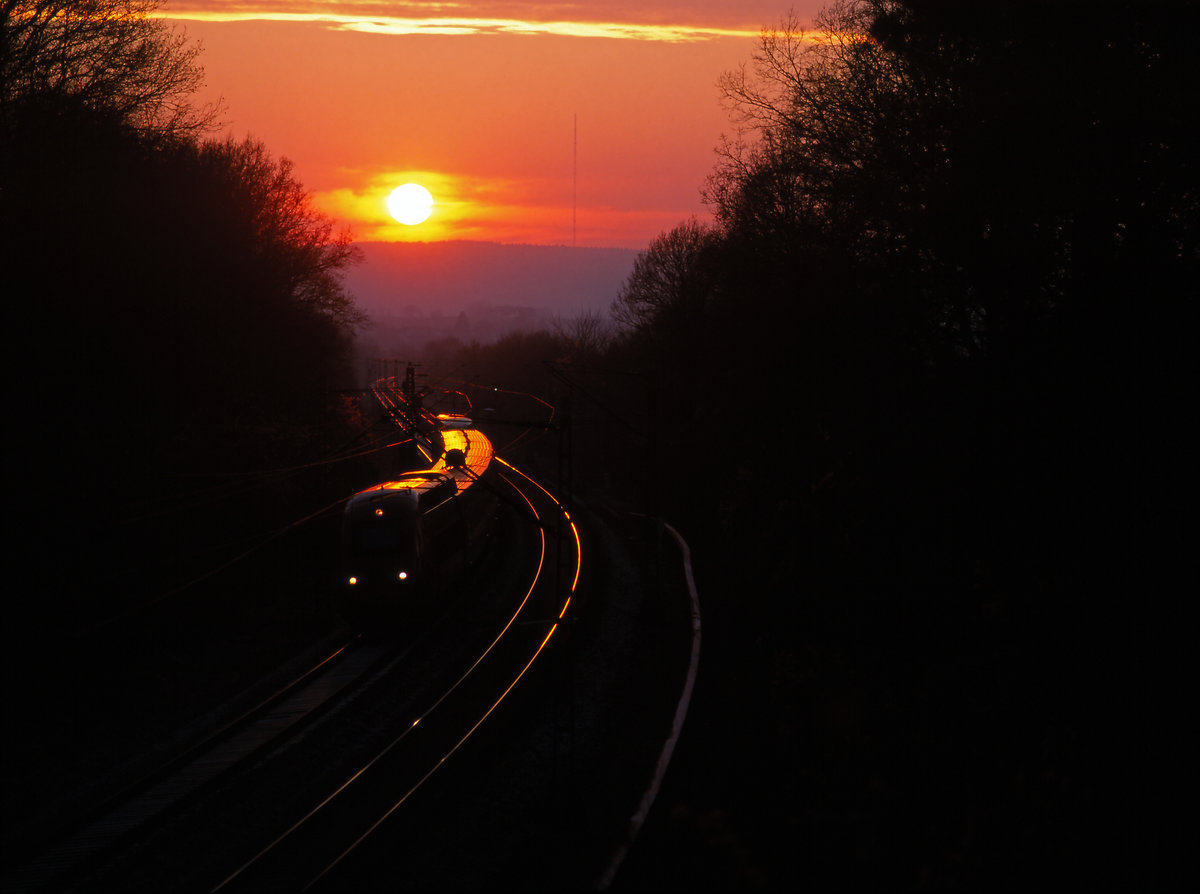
{"x": 325, "y": 806}
{"x": 268, "y": 724}
{"x": 283, "y": 806}
{"x": 319, "y": 844}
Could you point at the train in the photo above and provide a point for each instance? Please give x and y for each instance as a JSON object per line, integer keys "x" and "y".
{"x": 408, "y": 543}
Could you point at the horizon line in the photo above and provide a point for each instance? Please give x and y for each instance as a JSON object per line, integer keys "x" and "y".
{"x": 492, "y": 242}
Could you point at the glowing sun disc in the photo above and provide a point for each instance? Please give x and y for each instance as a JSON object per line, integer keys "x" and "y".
{"x": 410, "y": 204}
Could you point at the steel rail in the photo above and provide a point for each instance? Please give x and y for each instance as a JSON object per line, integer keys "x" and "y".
{"x": 192, "y": 768}
{"x": 392, "y": 745}
{"x": 495, "y": 704}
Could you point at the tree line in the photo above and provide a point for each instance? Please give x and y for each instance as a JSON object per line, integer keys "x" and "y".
{"x": 953, "y": 247}
{"x": 175, "y": 301}
{"x": 918, "y": 395}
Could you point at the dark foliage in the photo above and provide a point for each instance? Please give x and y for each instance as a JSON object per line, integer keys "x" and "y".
{"x": 176, "y": 315}
{"x": 933, "y": 459}
{"x": 176, "y": 328}
{"x": 110, "y": 56}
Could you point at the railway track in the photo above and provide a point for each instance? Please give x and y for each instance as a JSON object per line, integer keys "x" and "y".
{"x": 165, "y": 788}
{"x": 281, "y": 799}
{"x": 317, "y": 849}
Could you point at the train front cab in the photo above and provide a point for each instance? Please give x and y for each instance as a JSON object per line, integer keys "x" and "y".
{"x": 401, "y": 543}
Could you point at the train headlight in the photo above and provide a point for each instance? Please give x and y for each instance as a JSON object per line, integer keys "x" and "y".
{"x": 352, "y": 581}
{"x": 403, "y": 575}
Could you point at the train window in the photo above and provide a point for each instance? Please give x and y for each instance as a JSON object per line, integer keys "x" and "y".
{"x": 376, "y": 538}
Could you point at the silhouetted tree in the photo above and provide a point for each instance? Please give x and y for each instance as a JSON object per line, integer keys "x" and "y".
{"x": 585, "y": 337}
{"x": 993, "y": 176}
{"x": 672, "y": 281}
{"x": 840, "y": 159}
{"x": 269, "y": 211}
{"x": 182, "y": 307}
{"x": 110, "y": 56}
{"x": 957, "y": 243}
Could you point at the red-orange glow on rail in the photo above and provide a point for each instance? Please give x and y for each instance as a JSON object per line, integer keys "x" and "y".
{"x": 566, "y": 515}
{"x": 578, "y": 553}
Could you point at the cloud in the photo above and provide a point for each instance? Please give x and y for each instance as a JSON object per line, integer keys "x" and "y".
{"x": 671, "y": 21}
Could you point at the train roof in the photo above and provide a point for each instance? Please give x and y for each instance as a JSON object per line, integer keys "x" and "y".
{"x": 466, "y": 456}
{"x": 474, "y": 455}
{"x": 410, "y": 484}
{"x": 413, "y": 481}
{"x": 454, "y": 421}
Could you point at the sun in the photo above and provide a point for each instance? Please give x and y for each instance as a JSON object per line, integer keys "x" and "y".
{"x": 410, "y": 204}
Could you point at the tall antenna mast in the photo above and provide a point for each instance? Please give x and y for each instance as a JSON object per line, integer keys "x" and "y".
{"x": 574, "y": 177}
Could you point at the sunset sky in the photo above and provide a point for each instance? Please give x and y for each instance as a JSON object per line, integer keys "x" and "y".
{"x": 480, "y": 103}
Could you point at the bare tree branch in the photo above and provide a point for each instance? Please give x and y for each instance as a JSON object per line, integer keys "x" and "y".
{"x": 110, "y": 56}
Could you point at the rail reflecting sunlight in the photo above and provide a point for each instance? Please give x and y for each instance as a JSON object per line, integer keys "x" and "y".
{"x": 566, "y": 516}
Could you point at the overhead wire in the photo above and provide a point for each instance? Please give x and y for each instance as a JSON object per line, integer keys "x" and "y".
{"x": 247, "y": 483}
{"x": 238, "y": 483}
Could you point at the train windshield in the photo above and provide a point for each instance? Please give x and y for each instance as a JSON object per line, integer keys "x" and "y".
{"x": 377, "y": 537}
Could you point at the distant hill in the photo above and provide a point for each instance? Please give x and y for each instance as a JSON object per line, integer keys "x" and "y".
{"x": 400, "y": 278}
{"x": 417, "y": 293}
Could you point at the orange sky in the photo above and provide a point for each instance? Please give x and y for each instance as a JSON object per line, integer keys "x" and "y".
{"x": 478, "y": 103}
